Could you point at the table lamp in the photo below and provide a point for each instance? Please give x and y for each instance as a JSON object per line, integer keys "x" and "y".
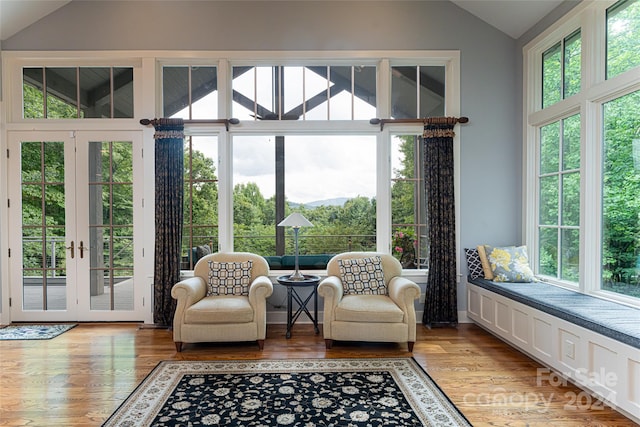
{"x": 296, "y": 220}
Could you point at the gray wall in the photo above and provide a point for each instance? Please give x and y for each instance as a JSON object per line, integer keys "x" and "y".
{"x": 491, "y": 147}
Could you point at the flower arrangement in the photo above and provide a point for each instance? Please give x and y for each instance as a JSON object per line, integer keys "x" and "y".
{"x": 404, "y": 248}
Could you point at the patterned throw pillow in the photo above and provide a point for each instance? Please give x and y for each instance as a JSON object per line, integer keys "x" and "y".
{"x": 362, "y": 276}
{"x": 229, "y": 278}
{"x": 474, "y": 265}
{"x": 509, "y": 264}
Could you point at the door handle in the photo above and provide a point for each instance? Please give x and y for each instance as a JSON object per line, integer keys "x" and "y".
{"x": 82, "y": 247}
{"x": 72, "y": 249}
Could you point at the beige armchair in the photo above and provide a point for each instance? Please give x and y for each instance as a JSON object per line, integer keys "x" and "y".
{"x": 225, "y": 300}
{"x": 362, "y": 303}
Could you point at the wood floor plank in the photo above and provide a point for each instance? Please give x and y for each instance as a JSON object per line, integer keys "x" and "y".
{"x": 80, "y": 377}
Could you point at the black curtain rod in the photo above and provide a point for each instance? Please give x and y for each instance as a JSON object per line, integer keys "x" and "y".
{"x": 225, "y": 122}
{"x": 425, "y": 121}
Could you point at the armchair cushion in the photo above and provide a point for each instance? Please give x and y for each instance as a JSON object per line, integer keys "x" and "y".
{"x": 229, "y": 278}
{"x": 362, "y": 276}
{"x": 368, "y": 308}
{"x": 220, "y": 310}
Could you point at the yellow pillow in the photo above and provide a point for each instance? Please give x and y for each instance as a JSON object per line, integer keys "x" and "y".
{"x": 486, "y": 266}
{"x": 509, "y": 264}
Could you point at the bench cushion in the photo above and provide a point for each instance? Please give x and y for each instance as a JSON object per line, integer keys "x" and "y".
{"x": 609, "y": 318}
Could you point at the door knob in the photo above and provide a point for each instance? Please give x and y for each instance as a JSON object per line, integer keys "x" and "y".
{"x": 72, "y": 249}
{"x": 82, "y": 247}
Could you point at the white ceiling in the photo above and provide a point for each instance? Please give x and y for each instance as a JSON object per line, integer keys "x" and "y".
{"x": 513, "y": 17}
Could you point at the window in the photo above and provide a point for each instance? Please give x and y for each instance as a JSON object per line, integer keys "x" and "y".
{"x": 200, "y": 229}
{"x": 408, "y": 204}
{"x": 583, "y": 151}
{"x": 620, "y": 201}
{"x": 623, "y": 37}
{"x": 559, "y": 189}
{"x": 190, "y": 92}
{"x": 312, "y": 92}
{"x": 330, "y": 179}
{"x": 561, "y": 67}
{"x": 77, "y": 92}
{"x": 417, "y": 91}
{"x": 325, "y": 162}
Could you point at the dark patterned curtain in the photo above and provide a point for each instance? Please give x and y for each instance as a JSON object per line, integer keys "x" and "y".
{"x": 169, "y": 153}
{"x": 441, "y": 306}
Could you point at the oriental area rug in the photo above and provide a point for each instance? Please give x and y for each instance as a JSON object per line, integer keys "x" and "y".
{"x": 296, "y": 392}
{"x": 33, "y": 332}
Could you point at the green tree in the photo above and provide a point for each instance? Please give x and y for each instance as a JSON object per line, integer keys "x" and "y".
{"x": 403, "y": 191}
{"x": 201, "y": 190}
{"x": 621, "y": 186}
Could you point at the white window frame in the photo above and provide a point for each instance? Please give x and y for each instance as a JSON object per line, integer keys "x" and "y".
{"x": 590, "y": 17}
{"x": 148, "y": 104}
{"x": 449, "y": 59}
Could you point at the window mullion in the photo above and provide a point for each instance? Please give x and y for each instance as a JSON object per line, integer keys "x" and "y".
{"x": 225, "y": 191}
{"x": 591, "y": 199}
{"x": 383, "y": 192}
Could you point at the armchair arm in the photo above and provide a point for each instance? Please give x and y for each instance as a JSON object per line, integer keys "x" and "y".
{"x": 330, "y": 289}
{"x": 261, "y": 289}
{"x": 187, "y": 292}
{"x": 403, "y": 292}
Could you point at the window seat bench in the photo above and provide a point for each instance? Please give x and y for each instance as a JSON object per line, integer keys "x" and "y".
{"x": 609, "y": 318}
{"x": 592, "y": 342}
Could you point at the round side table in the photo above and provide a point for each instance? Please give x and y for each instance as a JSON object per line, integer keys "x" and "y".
{"x": 292, "y": 295}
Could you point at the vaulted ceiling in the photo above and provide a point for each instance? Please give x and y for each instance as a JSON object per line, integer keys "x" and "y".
{"x": 513, "y": 17}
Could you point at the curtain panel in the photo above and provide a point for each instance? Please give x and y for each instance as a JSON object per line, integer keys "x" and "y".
{"x": 441, "y": 306}
{"x": 169, "y": 159}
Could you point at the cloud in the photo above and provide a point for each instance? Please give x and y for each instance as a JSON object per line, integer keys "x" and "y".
{"x": 316, "y": 167}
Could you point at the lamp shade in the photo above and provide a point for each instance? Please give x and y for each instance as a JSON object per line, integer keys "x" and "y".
{"x": 295, "y": 220}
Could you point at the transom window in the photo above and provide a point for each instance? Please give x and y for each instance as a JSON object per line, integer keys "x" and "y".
{"x": 77, "y": 92}
{"x": 190, "y": 92}
{"x": 417, "y": 91}
{"x": 623, "y": 37}
{"x": 318, "y": 92}
{"x": 561, "y": 68}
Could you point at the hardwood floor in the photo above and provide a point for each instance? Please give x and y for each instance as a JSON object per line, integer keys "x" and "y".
{"x": 80, "y": 377}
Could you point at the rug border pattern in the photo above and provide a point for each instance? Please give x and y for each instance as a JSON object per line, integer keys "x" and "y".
{"x": 430, "y": 404}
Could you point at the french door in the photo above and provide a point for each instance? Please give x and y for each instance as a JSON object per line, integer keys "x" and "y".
{"x": 74, "y": 202}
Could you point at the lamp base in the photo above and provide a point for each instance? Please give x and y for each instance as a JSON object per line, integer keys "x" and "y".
{"x": 296, "y": 276}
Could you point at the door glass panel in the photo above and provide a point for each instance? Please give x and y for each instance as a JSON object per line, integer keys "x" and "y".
{"x": 110, "y": 225}
{"x": 43, "y": 224}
